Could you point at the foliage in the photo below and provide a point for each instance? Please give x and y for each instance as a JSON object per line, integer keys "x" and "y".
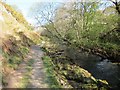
{"x": 71, "y": 75}
{"x": 86, "y": 26}
{"x": 51, "y": 78}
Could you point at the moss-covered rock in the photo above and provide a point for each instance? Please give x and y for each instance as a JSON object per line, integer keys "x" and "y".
{"x": 73, "y": 76}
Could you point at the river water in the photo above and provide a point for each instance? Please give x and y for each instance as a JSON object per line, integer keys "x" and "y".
{"x": 100, "y": 69}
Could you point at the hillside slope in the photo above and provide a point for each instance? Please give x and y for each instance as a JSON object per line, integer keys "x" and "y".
{"x": 16, "y": 40}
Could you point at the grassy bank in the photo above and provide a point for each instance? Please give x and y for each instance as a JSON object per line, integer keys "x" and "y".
{"x": 25, "y": 79}
{"x": 50, "y": 73}
{"x": 66, "y": 72}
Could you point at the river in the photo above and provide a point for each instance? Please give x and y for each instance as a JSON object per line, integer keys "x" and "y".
{"x": 100, "y": 69}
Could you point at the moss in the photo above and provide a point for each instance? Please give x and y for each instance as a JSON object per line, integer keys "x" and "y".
{"x": 77, "y": 75}
{"x": 102, "y": 84}
{"x": 50, "y": 73}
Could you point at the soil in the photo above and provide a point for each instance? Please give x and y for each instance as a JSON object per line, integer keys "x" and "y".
{"x": 37, "y": 75}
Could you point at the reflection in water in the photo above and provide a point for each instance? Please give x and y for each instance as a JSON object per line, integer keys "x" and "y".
{"x": 99, "y": 69}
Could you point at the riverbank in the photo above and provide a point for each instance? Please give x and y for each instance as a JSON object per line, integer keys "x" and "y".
{"x": 70, "y": 75}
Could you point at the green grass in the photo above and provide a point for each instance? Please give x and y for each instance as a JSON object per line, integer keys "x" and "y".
{"x": 30, "y": 62}
{"x": 24, "y": 50}
{"x": 13, "y": 60}
{"x": 25, "y": 80}
{"x": 50, "y": 73}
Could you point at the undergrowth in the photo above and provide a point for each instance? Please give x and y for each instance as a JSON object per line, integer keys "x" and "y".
{"x": 50, "y": 73}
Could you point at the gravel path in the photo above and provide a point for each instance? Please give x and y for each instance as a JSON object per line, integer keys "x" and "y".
{"x": 37, "y": 76}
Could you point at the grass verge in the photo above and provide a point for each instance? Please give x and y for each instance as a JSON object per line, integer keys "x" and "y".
{"x": 25, "y": 80}
{"x": 50, "y": 73}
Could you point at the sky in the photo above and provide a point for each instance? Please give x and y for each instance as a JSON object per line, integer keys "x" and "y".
{"x": 25, "y": 6}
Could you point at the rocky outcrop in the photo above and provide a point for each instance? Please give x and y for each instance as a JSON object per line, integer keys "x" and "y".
{"x": 78, "y": 77}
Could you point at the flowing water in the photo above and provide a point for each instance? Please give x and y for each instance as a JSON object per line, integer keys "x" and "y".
{"x": 100, "y": 69}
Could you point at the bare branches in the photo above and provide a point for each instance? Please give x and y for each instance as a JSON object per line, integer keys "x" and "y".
{"x": 117, "y": 5}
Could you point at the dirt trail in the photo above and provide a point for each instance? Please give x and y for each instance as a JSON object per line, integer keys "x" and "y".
{"x": 37, "y": 76}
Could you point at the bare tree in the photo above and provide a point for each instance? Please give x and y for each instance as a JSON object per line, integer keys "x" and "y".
{"x": 117, "y": 5}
